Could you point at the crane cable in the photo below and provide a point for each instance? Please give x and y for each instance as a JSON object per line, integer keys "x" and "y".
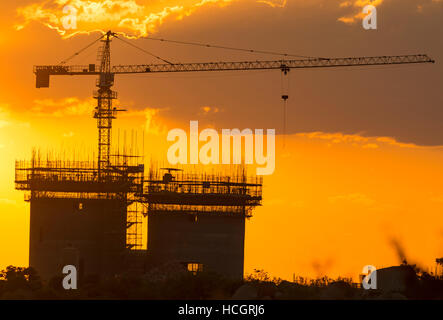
{"x": 231, "y": 48}
{"x": 187, "y": 43}
{"x": 143, "y": 50}
{"x": 81, "y": 50}
{"x": 285, "y": 96}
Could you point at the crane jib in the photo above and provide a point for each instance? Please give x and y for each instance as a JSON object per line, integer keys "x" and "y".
{"x": 44, "y": 72}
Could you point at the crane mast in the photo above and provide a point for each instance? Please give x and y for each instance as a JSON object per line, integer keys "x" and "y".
{"x": 105, "y": 112}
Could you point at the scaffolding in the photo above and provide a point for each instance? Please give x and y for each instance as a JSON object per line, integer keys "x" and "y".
{"x": 166, "y": 190}
{"x": 134, "y": 225}
{"x": 80, "y": 180}
{"x": 174, "y": 190}
{"x": 77, "y": 178}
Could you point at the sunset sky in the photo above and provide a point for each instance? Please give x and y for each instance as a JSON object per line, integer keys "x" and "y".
{"x": 361, "y": 167}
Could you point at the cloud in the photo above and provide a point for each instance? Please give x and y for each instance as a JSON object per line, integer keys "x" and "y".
{"x": 70, "y": 106}
{"x": 358, "y": 140}
{"x": 207, "y": 110}
{"x": 393, "y": 142}
{"x": 274, "y": 4}
{"x": 334, "y": 137}
{"x": 153, "y": 124}
{"x": 149, "y": 117}
{"x": 370, "y": 146}
{"x": 130, "y": 17}
{"x": 356, "y": 8}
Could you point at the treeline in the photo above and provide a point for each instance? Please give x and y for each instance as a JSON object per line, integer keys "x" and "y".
{"x": 168, "y": 283}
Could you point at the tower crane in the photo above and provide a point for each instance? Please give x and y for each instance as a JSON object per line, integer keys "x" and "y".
{"x": 105, "y": 112}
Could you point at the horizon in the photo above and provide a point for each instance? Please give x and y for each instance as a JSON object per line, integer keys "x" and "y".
{"x": 358, "y": 152}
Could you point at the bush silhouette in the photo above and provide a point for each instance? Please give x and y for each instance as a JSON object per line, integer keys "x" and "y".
{"x": 172, "y": 282}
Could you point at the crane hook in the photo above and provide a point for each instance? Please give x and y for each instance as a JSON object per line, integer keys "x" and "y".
{"x": 285, "y": 95}
{"x": 285, "y": 70}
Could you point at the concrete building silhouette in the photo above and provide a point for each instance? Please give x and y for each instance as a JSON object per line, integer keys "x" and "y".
{"x": 78, "y": 218}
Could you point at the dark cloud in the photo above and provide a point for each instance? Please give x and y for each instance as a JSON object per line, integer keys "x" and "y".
{"x": 404, "y": 102}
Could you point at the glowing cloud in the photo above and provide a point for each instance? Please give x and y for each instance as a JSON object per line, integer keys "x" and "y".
{"x": 274, "y": 4}
{"x": 359, "y": 140}
{"x": 134, "y": 18}
{"x": 71, "y": 106}
{"x": 357, "y": 9}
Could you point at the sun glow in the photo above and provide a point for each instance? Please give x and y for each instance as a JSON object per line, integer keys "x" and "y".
{"x": 132, "y": 18}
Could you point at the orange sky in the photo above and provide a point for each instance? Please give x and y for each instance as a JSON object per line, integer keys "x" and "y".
{"x": 344, "y": 186}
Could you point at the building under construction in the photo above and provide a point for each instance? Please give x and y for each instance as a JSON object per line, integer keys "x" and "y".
{"x": 196, "y": 220}
{"x": 89, "y": 214}
{"x": 199, "y": 219}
